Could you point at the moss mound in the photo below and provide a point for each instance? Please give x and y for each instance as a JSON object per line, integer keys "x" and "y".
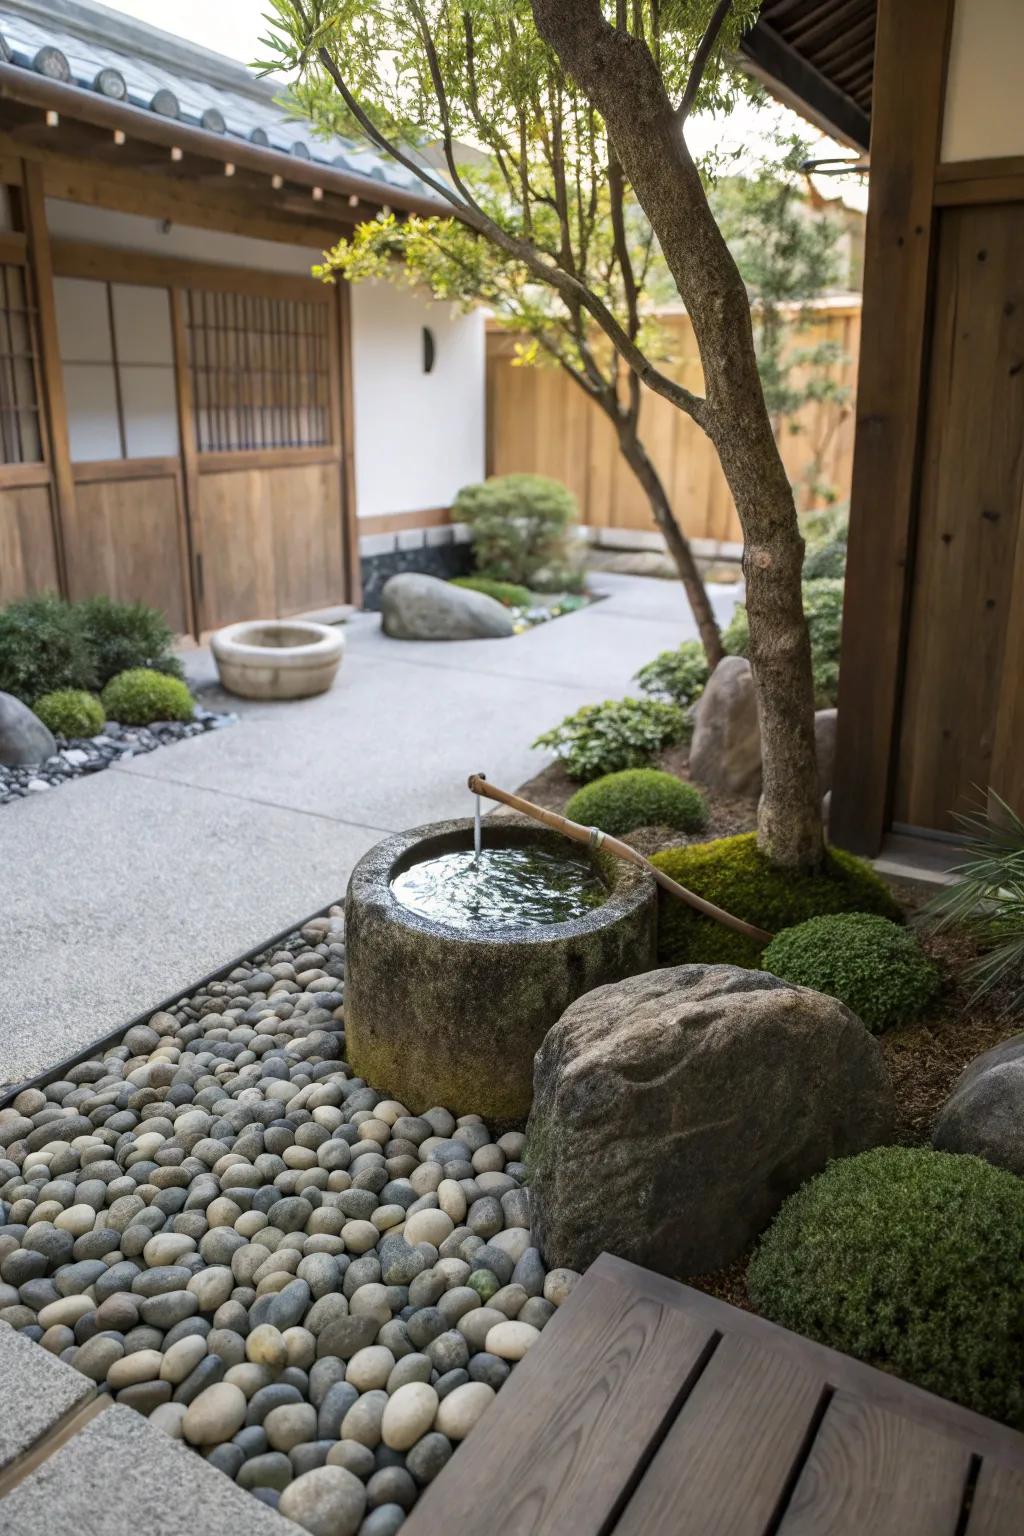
{"x": 638, "y": 797}
{"x": 875, "y": 967}
{"x": 140, "y": 696}
{"x": 71, "y": 712}
{"x": 912, "y": 1260}
{"x": 733, "y": 874}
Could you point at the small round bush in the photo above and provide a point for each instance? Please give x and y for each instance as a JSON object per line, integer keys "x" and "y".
{"x": 734, "y": 874}
{"x": 912, "y": 1260}
{"x": 875, "y": 967}
{"x": 620, "y": 733}
{"x": 679, "y": 675}
{"x": 638, "y": 797}
{"x": 823, "y": 610}
{"x": 71, "y": 712}
{"x": 140, "y": 696}
{"x": 518, "y": 524}
{"x": 506, "y": 592}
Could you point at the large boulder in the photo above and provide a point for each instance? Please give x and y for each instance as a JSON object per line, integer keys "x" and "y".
{"x": 726, "y": 750}
{"x": 24, "y": 739}
{"x": 418, "y": 607}
{"x": 985, "y": 1112}
{"x": 673, "y": 1113}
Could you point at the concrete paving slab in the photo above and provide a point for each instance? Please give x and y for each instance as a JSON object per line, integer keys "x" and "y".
{"x": 119, "y": 1476}
{"x": 37, "y": 1391}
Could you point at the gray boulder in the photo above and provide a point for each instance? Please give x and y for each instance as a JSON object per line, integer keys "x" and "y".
{"x": 825, "y": 747}
{"x": 726, "y": 750}
{"x": 985, "y": 1112}
{"x": 24, "y": 739}
{"x": 673, "y": 1112}
{"x": 417, "y": 607}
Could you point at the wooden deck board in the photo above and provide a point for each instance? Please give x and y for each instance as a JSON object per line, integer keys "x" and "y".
{"x": 650, "y": 1409}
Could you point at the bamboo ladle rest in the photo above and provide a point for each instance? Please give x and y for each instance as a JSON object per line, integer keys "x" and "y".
{"x": 593, "y": 837}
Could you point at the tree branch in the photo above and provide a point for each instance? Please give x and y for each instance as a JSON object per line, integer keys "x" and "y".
{"x": 700, "y": 59}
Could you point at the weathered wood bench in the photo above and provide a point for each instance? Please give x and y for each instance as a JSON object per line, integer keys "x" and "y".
{"x": 650, "y": 1409}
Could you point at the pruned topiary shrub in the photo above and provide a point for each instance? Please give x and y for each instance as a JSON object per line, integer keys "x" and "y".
{"x": 140, "y": 696}
{"x": 123, "y": 636}
{"x": 734, "y": 874}
{"x": 620, "y": 733}
{"x": 71, "y": 712}
{"x": 638, "y": 797}
{"x": 874, "y": 966}
{"x": 678, "y": 675}
{"x": 43, "y": 648}
{"x": 912, "y": 1260}
{"x": 506, "y": 592}
{"x": 823, "y": 610}
{"x": 518, "y": 524}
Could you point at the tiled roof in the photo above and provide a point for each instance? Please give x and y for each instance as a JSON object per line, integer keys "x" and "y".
{"x": 90, "y": 46}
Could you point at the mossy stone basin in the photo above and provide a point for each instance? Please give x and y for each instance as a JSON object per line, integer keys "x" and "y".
{"x": 436, "y": 1014}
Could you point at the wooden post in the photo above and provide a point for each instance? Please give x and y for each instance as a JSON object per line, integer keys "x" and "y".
{"x": 189, "y": 461}
{"x": 911, "y": 50}
{"x": 346, "y": 425}
{"x": 51, "y": 369}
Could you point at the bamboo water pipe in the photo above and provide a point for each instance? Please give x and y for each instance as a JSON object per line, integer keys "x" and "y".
{"x": 595, "y": 838}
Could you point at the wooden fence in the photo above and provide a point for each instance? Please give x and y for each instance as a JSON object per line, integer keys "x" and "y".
{"x": 538, "y": 420}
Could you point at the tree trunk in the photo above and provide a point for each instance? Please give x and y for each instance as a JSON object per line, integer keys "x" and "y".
{"x": 635, "y": 454}
{"x": 622, "y": 79}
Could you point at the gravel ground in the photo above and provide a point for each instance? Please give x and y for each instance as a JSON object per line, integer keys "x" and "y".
{"x": 230, "y": 1233}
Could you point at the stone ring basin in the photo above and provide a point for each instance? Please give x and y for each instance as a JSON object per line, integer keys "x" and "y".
{"x": 442, "y": 1014}
{"x": 277, "y": 658}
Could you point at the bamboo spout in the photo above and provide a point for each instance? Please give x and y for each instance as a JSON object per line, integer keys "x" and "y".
{"x": 594, "y": 838}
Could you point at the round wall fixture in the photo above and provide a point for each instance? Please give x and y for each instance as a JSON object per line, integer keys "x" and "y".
{"x": 213, "y": 121}
{"x": 111, "y": 83}
{"x": 429, "y": 350}
{"x": 52, "y": 63}
{"x": 166, "y": 103}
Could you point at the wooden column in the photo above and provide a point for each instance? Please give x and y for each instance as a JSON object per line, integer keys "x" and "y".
{"x": 342, "y": 385}
{"x": 189, "y": 460}
{"x": 51, "y": 371}
{"x": 911, "y": 51}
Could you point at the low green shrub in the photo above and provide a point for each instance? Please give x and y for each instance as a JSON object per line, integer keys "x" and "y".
{"x": 518, "y": 525}
{"x": 559, "y": 578}
{"x": 912, "y": 1260}
{"x": 735, "y": 875}
{"x": 71, "y": 712}
{"x": 679, "y": 675}
{"x": 127, "y": 635}
{"x": 43, "y": 648}
{"x": 505, "y": 592}
{"x": 620, "y": 733}
{"x": 140, "y": 696}
{"x": 874, "y": 966}
{"x": 638, "y": 797}
{"x": 823, "y": 609}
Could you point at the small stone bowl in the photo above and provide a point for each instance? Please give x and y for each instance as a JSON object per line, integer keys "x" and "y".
{"x": 277, "y": 658}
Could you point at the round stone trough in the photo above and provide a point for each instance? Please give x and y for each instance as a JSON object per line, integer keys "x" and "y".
{"x": 277, "y": 658}
{"x": 443, "y": 1015}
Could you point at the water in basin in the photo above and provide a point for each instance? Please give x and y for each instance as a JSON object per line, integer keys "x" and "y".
{"x": 520, "y": 887}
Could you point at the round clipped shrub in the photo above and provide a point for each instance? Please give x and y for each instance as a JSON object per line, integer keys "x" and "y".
{"x": 638, "y": 797}
{"x": 875, "y": 967}
{"x": 912, "y": 1260}
{"x": 71, "y": 712}
{"x": 140, "y": 696}
{"x": 734, "y": 874}
{"x": 518, "y": 524}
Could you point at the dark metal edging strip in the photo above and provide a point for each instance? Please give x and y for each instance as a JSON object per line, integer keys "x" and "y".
{"x": 112, "y": 1037}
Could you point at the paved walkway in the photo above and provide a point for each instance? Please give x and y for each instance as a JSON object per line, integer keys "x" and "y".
{"x": 119, "y": 889}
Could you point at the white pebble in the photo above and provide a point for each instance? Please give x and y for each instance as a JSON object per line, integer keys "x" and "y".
{"x": 409, "y": 1414}
{"x": 510, "y": 1341}
{"x": 462, "y": 1409}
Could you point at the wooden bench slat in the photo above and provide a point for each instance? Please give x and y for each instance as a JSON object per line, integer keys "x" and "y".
{"x": 723, "y": 1467}
{"x": 559, "y": 1447}
{"x": 998, "y": 1505}
{"x": 870, "y": 1470}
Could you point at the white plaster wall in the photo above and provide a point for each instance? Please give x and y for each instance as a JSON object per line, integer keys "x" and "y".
{"x": 419, "y": 437}
{"x": 983, "y": 117}
{"x": 130, "y": 231}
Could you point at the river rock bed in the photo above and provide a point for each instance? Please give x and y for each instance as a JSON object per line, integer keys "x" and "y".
{"x": 91, "y": 754}
{"x": 227, "y": 1231}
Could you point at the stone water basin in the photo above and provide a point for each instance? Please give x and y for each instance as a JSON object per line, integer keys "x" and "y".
{"x": 452, "y": 1011}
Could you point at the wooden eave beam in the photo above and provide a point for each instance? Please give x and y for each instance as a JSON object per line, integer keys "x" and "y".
{"x": 25, "y": 87}
{"x": 795, "y": 81}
